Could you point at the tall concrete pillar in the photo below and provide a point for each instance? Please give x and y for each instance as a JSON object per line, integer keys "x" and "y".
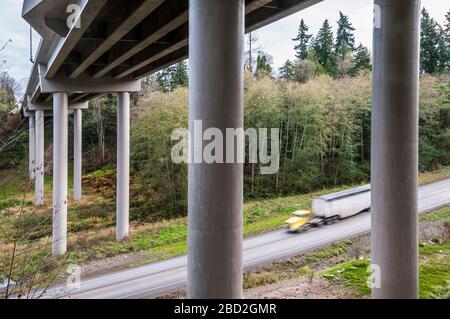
{"x": 123, "y": 166}
{"x": 77, "y": 154}
{"x": 31, "y": 148}
{"x": 60, "y": 158}
{"x": 215, "y": 191}
{"x": 39, "y": 166}
{"x": 395, "y": 148}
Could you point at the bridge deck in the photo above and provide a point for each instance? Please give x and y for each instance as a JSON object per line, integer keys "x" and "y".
{"x": 118, "y": 39}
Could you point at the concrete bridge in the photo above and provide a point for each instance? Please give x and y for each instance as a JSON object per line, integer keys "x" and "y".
{"x": 110, "y": 44}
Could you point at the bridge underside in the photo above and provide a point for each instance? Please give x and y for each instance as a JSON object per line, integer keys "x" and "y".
{"x": 114, "y": 43}
{"x": 122, "y": 40}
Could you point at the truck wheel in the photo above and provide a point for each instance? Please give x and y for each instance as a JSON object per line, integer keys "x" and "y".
{"x": 331, "y": 220}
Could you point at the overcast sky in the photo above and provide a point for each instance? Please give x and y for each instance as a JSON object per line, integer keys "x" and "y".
{"x": 274, "y": 39}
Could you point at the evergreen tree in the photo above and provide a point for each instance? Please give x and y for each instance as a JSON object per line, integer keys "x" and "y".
{"x": 361, "y": 60}
{"x": 345, "y": 39}
{"x": 445, "y": 38}
{"x": 287, "y": 71}
{"x": 323, "y": 48}
{"x": 263, "y": 64}
{"x": 303, "y": 38}
{"x": 429, "y": 44}
{"x": 179, "y": 75}
{"x": 446, "y": 29}
{"x": 172, "y": 77}
{"x": 443, "y": 51}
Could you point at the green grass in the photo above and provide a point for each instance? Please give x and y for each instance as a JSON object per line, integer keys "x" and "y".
{"x": 13, "y": 183}
{"x": 105, "y": 171}
{"x": 434, "y": 269}
{"x": 328, "y": 252}
{"x": 353, "y": 274}
{"x": 167, "y": 241}
{"x": 441, "y": 215}
{"x": 8, "y": 203}
{"x": 434, "y": 272}
{"x": 159, "y": 241}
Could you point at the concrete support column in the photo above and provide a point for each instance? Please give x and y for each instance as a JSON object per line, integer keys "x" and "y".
{"x": 31, "y": 148}
{"x": 39, "y": 166}
{"x": 215, "y": 191}
{"x": 77, "y": 153}
{"x": 123, "y": 166}
{"x": 395, "y": 148}
{"x": 60, "y": 159}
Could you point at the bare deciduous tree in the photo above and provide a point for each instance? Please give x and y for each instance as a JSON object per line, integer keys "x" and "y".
{"x": 99, "y": 120}
{"x": 28, "y": 269}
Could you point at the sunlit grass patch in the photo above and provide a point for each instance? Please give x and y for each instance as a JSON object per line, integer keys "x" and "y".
{"x": 434, "y": 272}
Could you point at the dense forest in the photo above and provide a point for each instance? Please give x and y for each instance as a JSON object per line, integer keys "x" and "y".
{"x": 324, "y": 136}
{"x": 321, "y": 103}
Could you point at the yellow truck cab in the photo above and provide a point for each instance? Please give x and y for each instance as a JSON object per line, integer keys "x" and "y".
{"x": 299, "y": 218}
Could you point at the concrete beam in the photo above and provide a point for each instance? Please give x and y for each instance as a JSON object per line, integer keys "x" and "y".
{"x": 179, "y": 39}
{"x": 255, "y": 5}
{"x": 142, "y": 62}
{"x": 101, "y": 52}
{"x": 127, "y": 25}
{"x": 103, "y": 85}
{"x": 178, "y": 52}
{"x": 35, "y": 95}
{"x": 123, "y": 167}
{"x": 80, "y": 97}
{"x": 174, "y": 57}
{"x": 34, "y": 12}
{"x": 394, "y": 163}
{"x": 215, "y": 191}
{"x": 60, "y": 158}
{"x": 266, "y": 15}
{"x": 155, "y": 29}
{"x": 29, "y": 113}
{"x": 89, "y": 11}
{"x": 141, "y": 58}
{"x": 49, "y": 107}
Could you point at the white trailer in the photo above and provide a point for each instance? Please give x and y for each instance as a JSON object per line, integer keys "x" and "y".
{"x": 330, "y": 208}
{"x": 342, "y": 204}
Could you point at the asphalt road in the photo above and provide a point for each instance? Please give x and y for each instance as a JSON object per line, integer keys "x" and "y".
{"x": 167, "y": 276}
